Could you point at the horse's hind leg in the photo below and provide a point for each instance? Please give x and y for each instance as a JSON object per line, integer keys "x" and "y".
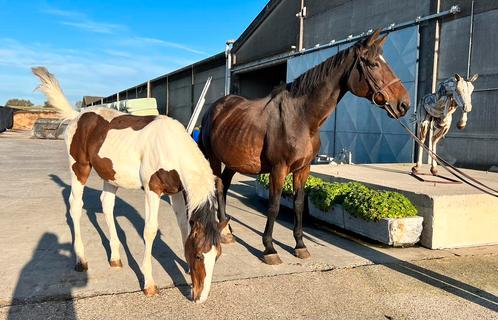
{"x": 299, "y": 180}
{"x": 108, "y": 197}
{"x": 226, "y": 180}
{"x": 226, "y": 235}
{"x": 150, "y": 231}
{"x": 424, "y": 129}
{"x": 76, "y": 206}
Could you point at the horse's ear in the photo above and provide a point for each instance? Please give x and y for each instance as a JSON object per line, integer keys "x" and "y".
{"x": 474, "y": 77}
{"x": 381, "y": 41}
{"x": 372, "y": 38}
{"x": 458, "y": 77}
{"x": 222, "y": 225}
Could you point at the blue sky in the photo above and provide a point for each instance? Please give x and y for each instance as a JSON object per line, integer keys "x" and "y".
{"x": 101, "y": 47}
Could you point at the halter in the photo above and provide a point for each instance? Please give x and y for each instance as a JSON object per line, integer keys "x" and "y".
{"x": 377, "y": 89}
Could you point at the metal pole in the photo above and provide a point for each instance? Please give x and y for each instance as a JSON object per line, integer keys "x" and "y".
{"x": 167, "y": 95}
{"x": 415, "y": 95}
{"x": 301, "y": 15}
{"x": 434, "y": 69}
{"x": 228, "y": 65}
{"x": 148, "y": 89}
{"x": 471, "y": 33}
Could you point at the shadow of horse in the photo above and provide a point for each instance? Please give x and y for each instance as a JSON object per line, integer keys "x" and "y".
{"x": 245, "y": 192}
{"x": 38, "y": 276}
{"x": 166, "y": 257}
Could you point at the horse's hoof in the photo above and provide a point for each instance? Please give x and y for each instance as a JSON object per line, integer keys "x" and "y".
{"x": 302, "y": 253}
{"x": 227, "y": 238}
{"x": 81, "y": 266}
{"x": 151, "y": 291}
{"x": 434, "y": 171}
{"x": 116, "y": 263}
{"x": 272, "y": 259}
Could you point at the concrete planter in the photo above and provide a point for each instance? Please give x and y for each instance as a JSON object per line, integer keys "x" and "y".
{"x": 264, "y": 193}
{"x": 49, "y": 129}
{"x": 395, "y": 232}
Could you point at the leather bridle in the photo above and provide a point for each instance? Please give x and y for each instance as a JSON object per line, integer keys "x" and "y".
{"x": 374, "y": 86}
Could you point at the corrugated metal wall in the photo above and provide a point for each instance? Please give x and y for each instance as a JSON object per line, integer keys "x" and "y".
{"x": 357, "y": 125}
{"x": 476, "y": 145}
{"x": 216, "y": 89}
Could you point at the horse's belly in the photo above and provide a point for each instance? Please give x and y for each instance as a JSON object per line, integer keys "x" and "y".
{"x": 241, "y": 155}
{"x": 124, "y": 153}
{"x": 127, "y": 177}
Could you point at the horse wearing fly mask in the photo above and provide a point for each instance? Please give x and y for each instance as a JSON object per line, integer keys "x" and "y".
{"x": 437, "y": 111}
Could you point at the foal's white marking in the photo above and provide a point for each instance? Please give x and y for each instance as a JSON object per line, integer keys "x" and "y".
{"x": 209, "y": 260}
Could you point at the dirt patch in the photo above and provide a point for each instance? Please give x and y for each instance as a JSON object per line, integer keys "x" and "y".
{"x": 24, "y": 120}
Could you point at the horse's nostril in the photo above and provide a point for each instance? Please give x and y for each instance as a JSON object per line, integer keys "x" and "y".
{"x": 404, "y": 106}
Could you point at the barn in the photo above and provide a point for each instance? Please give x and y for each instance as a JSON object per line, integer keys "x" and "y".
{"x": 429, "y": 40}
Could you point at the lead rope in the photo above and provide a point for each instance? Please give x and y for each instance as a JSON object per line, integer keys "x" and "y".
{"x": 446, "y": 165}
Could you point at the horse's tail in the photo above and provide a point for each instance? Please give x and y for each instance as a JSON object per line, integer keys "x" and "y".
{"x": 50, "y": 87}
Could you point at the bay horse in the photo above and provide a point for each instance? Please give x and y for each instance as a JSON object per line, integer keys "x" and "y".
{"x": 437, "y": 111}
{"x": 280, "y": 134}
{"x": 154, "y": 153}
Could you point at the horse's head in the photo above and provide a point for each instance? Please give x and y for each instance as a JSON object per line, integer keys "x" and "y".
{"x": 463, "y": 97}
{"x": 202, "y": 249}
{"x": 372, "y": 78}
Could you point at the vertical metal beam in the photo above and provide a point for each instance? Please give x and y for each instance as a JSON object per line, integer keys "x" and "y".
{"x": 167, "y": 95}
{"x": 228, "y": 65}
{"x": 435, "y": 66}
{"x": 301, "y": 15}
{"x": 471, "y": 34}
{"x": 415, "y": 94}
{"x": 192, "y": 91}
{"x": 148, "y": 89}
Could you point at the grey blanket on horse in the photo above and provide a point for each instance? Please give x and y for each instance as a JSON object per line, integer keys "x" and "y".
{"x": 437, "y": 104}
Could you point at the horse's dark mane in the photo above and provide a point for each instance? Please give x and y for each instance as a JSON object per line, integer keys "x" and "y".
{"x": 205, "y": 215}
{"x": 316, "y": 75}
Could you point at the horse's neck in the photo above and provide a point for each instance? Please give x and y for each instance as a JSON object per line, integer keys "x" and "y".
{"x": 324, "y": 97}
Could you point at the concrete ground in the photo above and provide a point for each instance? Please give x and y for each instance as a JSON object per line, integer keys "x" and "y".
{"x": 345, "y": 278}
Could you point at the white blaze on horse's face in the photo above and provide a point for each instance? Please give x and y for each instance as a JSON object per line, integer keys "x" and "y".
{"x": 209, "y": 261}
{"x": 201, "y": 252}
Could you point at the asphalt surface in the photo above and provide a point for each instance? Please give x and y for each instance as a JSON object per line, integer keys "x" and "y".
{"x": 346, "y": 278}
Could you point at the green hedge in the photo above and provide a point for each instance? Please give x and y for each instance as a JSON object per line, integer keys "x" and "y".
{"x": 357, "y": 199}
{"x": 288, "y": 190}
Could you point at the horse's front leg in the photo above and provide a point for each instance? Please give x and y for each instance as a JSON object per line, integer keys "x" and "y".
{"x": 150, "y": 231}
{"x": 299, "y": 180}
{"x": 277, "y": 177}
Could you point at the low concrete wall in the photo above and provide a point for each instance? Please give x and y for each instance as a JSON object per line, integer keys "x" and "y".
{"x": 455, "y": 215}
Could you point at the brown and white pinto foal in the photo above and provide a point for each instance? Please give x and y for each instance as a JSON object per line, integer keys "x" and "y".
{"x": 150, "y": 152}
